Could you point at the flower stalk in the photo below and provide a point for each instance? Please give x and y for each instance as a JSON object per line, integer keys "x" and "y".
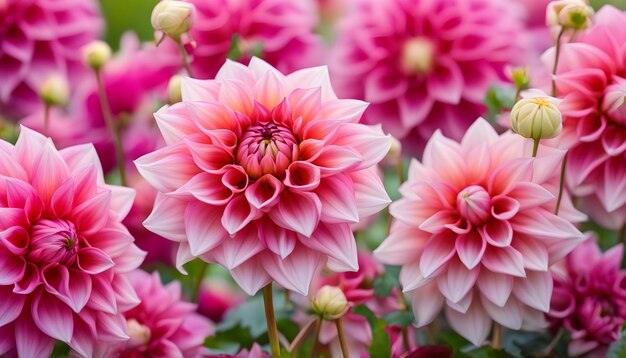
{"x": 342, "y": 338}
{"x": 272, "y": 330}
{"x": 557, "y": 52}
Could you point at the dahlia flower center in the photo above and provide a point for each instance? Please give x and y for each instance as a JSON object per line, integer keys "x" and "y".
{"x": 267, "y": 148}
{"x": 474, "y": 204}
{"x": 53, "y": 240}
{"x": 139, "y": 334}
{"x": 418, "y": 55}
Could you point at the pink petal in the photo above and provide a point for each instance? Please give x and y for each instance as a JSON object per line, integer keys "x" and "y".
{"x": 338, "y": 200}
{"x": 297, "y": 211}
{"x": 93, "y": 260}
{"x": 79, "y": 290}
{"x": 504, "y": 207}
{"x": 427, "y": 303}
{"x": 506, "y": 176}
{"x": 237, "y": 214}
{"x": 403, "y": 245}
{"x": 435, "y": 223}
{"x": 344, "y": 110}
{"x": 336, "y": 241}
{"x": 168, "y": 168}
{"x": 370, "y": 193}
{"x": 334, "y": 159}
{"x": 203, "y": 227}
{"x": 234, "y": 251}
{"x": 269, "y": 89}
{"x": 53, "y": 317}
{"x": 92, "y": 215}
{"x": 509, "y": 315}
{"x": 278, "y": 240}
{"x": 612, "y": 193}
{"x": 411, "y": 277}
{"x": 497, "y": 233}
{"x": 102, "y": 297}
{"x": 122, "y": 199}
{"x": 110, "y": 327}
{"x": 437, "y": 252}
{"x": 457, "y": 281}
{"x": 237, "y": 95}
{"x": 534, "y": 253}
{"x": 535, "y": 290}
{"x": 474, "y": 324}
{"x": 174, "y": 122}
{"x": 369, "y": 141}
{"x": 63, "y": 199}
{"x": 530, "y": 195}
{"x": 470, "y": 248}
{"x": 15, "y": 239}
{"x": 167, "y": 218}
{"x": 29, "y": 281}
{"x": 265, "y": 192}
{"x": 296, "y": 272}
{"x": 11, "y": 305}
{"x": 305, "y": 103}
{"x": 28, "y": 148}
{"x": 81, "y": 157}
{"x": 30, "y": 341}
{"x": 251, "y": 276}
{"x": 414, "y": 107}
{"x": 49, "y": 172}
{"x": 495, "y": 287}
{"x": 199, "y": 90}
{"x": 445, "y": 83}
{"x": 384, "y": 84}
{"x": 11, "y": 267}
{"x": 505, "y": 260}
{"x": 302, "y": 176}
{"x": 313, "y": 77}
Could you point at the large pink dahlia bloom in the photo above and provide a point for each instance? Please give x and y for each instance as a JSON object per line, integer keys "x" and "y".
{"x": 264, "y": 173}
{"x": 39, "y": 38}
{"x": 424, "y": 64}
{"x": 591, "y": 79}
{"x": 162, "y": 325}
{"x": 280, "y": 31}
{"x": 475, "y": 231}
{"x": 589, "y": 298}
{"x": 63, "y": 251}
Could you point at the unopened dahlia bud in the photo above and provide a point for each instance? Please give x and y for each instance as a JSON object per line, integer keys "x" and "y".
{"x": 174, "y": 93}
{"x": 96, "y": 54}
{"x": 536, "y": 117}
{"x": 173, "y": 18}
{"x": 569, "y": 14}
{"x": 520, "y": 78}
{"x": 417, "y": 55}
{"x": 394, "y": 155}
{"x": 54, "y": 91}
{"x": 329, "y": 302}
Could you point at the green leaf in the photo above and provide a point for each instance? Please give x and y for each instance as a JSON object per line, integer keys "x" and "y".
{"x": 381, "y": 343}
{"x": 488, "y": 352}
{"x": 363, "y": 310}
{"x": 399, "y": 318}
{"x": 234, "y": 53}
{"x": 618, "y": 348}
{"x": 498, "y": 99}
{"x": 384, "y": 283}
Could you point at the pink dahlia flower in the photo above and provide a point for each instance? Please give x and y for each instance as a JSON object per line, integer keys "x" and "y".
{"x": 162, "y": 325}
{"x": 424, "y": 64}
{"x": 589, "y": 299}
{"x": 64, "y": 254}
{"x": 282, "y": 32}
{"x": 216, "y": 298}
{"x": 475, "y": 231}
{"x": 264, "y": 173}
{"x": 591, "y": 79}
{"x": 38, "y": 39}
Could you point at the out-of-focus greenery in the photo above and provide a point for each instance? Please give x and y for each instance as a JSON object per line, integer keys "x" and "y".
{"x": 125, "y": 15}
{"x": 617, "y": 3}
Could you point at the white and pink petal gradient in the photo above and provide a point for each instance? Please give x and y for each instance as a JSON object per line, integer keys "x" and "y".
{"x": 64, "y": 254}
{"x": 475, "y": 231}
{"x": 263, "y": 174}
{"x": 423, "y": 64}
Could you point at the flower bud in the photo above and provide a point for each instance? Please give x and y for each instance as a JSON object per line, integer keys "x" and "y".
{"x": 536, "y": 117}
{"x": 520, "y": 78}
{"x": 96, "y": 54}
{"x": 329, "y": 303}
{"x": 173, "y": 18}
{"x": 394, "y": 155}
{"x": 174, "y": 93}
{"x": 417, "y": 55}
{"x": 54, "y": 91}
{"x": 569, "y": 14}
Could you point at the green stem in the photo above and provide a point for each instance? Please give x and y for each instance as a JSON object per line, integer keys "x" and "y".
{"x": 535, "y": 147}
{"x": 183, "y": 52}
{"x": 198, "y": 283}
{"x": 496, "y": 338}
{"x": 46, "y": 119}
{"x": 316, "y": 339}
{"x": 342, "y": 338}
{"x": 556, "y": 60}
{"x": 115, "y": 133}
{"x": 272, "y": 330}
{"x": 561, "y": 185}
{"x": 621, "y": 234}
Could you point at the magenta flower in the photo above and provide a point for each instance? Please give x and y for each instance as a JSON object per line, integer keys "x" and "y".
{"x": 475, "y": 231}
{"x": 424, "y": 64}
{"x": 589, "y": 299}
{"x": 282, "y": 32}
{"x": 162, "y": 325}
{"x": 216, "y": 298}
{"x": 38, "y": 39}
{"x": 264, "y": 173}
{"x": 63, "y": 251}
{"x": 591, "y": 79}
